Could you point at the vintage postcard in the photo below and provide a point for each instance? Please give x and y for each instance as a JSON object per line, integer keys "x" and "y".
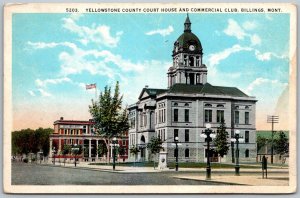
{"x": 150, "y": 98}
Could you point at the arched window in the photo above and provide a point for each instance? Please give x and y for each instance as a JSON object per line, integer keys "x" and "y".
{"x": 221, "y": 106}
{"x": 208, "y": 105}
{"x": 176, "y": 104}
{"x": 187, "y": 153}
{"x": 237, "y": 107}
{"x": 186, "y": 104}
{"x": 246, "y": 107}
{"x": 246, "y": 153}
{"x": 143, "y": 139}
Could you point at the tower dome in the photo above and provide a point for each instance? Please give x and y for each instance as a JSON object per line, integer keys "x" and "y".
{"x": 187, "y": 41}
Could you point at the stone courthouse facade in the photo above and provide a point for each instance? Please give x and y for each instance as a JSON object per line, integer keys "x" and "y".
{"x": 187, "y": 105}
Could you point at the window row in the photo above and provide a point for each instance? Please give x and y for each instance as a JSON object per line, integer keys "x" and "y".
{"x": 237, "y": 117}
{"x": 186, "y": 135}
{"x": 186, "y": 152}
{"x": 208, "y": 115}
{"x": 161, "y": 116}
{"x": 162, "y": 134}
{"x": 143, "y": 120}
{"x": 132, "y": 139}
{"x": 186, "y": 115}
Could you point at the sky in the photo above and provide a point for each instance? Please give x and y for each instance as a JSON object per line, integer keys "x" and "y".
{"x": 56, "y": 55}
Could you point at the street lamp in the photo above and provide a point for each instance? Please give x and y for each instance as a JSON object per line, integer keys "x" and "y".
{"x": 75, "y": 150}
{"x": 208, "y": 134}
{"x": 176, "y": 152}
{"x": 114, "y": 144}
{"x": 237, "y": 138}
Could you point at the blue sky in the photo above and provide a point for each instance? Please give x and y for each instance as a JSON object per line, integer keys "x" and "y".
{"x": 56, "y": 55}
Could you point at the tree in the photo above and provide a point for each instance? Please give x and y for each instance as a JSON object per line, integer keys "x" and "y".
{"x": 31, "y": 141}
{"x": 102, "y": 149}
{"x": 220, "y": 142}
{"x": 121, "y": 151}
{"x": 134, "y": 150}
{"x": 281, "y": 144}
{"x": 109, "y": 117}
{"x": 261, "y": 142}
{"x": 154, "y": 145}
{"x": 66, "y": 150}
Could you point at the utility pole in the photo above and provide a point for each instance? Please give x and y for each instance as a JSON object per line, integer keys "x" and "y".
{"x": 272, "y": 119}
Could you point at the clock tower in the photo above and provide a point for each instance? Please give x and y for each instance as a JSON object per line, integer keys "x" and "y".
{"x": 187, "y": 59}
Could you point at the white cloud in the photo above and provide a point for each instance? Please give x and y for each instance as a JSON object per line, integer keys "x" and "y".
{"x": 268, "y": 17}
{"x": 99, "y": 34}
{"x": 249, "y": 25}
{"x": 255, "y": 39}
{"x": 234, "y": 29}
{"x": 214, "y": 59}
{"x": 44, "y": 83}
{"x": 260, "y": 81}
{"x": 31, "y": 92}
{"x": 266, "y": 56}
{"x": 163, "y": 32}
{"x": 95, "y": 62}
{"x": 44, "y": 93}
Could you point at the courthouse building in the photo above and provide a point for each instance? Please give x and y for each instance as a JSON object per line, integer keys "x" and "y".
{"x": 187, "y": 105}
{"x": 75, "y": 132}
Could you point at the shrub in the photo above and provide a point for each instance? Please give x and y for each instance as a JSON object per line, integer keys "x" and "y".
{"x": 25, "y": 160}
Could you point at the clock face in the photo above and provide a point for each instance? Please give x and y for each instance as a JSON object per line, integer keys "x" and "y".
{"x": 192, "y": 47}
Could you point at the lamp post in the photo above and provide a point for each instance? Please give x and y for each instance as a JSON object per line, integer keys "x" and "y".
{"x": 114, "y": 145}
{"x": 237, "y": 138}
{"x": 176, "y": 152}
{"x": 75, "y": 150}
{"x": 209, "y": 135}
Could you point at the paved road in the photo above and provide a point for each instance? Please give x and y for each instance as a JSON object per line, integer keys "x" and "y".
{"x": 32, "y": 174}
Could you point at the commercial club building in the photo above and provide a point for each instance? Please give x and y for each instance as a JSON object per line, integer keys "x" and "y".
{"x": 187, "y": 105}
{"x": 71, "y": 132}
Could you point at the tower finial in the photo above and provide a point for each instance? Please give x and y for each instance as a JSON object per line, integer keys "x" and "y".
{"x": 187, "y": 24}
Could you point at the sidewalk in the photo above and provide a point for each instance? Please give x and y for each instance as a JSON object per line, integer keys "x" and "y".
{"x": 278, "y": 180}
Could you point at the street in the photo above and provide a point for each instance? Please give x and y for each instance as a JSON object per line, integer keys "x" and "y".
{"x": 33, "y": 174}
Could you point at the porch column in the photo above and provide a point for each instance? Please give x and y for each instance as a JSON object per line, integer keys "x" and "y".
{"x": 59, "y": 145}
{"x": 90, "y": 148}
{"x": 97, "y": 149}
{"x": 50, "y": 150}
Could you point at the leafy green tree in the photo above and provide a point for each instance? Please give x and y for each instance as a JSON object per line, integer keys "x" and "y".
{"x": 281, "y": 144}
{"x": 261, "y": 142}
{"x": 220, "y": 142}
{"x": 102, "y": 149}
{"x": 28, "y": 141}
{"x": 109, "y": 117}
{"x": 66, "y": 150}
{"x": 121, "y": 151}
{"x": 154, "y": 146}
{"x": 134, "y": 150}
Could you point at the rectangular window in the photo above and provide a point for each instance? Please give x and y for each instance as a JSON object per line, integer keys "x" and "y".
{"x": 246, "y": 117}
{"x": 175, "y": 133}
{"x": 124, "y": 143}
{"x": 208, "y": 115}
{"x": 236, "y": 117}
{"x": 175, "y": 115}
{"x": 164, "y": 115}
{"x": 246, "y": 136}
{"x": 186, "y": 135}
{"x": 186, "y": 115}
{"x": 220, "y": 115}
{"x": 155, "y": 117}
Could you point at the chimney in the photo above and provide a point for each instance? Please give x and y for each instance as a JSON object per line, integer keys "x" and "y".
{"x": 61, "y": 118}
{"x": 146, "y": 86}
